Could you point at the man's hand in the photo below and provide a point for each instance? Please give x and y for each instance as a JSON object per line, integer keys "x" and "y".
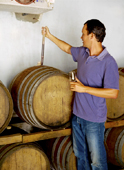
{"x": 45, "y": 31}
{"x": 77, "y": 86}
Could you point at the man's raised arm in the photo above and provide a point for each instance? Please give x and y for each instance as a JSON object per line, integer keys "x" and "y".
{"x": 61, "y": 44}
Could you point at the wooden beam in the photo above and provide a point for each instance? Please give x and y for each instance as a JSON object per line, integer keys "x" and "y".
{"x": 9, "y": 139}
{"x": 45, "y": 135}
{"x": 114, "y": 124}
{"x": 31, "y": 137}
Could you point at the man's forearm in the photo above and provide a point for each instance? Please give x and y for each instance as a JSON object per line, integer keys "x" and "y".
{"x": 99, "y": 92}
{"x": 61, "y": 44}
{"x": 102, "y": 92}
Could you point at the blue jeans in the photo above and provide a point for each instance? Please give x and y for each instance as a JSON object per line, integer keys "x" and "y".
{"x": 88, "y": 144}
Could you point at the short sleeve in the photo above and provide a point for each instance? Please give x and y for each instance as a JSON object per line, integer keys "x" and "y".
{"x": 111, "y": 77}
{"x": 76, "y": 51}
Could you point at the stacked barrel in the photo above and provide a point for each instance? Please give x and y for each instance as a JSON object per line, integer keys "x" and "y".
{"x": 114, "y": 137}
{"x": 6, "y": 107}
{"x": 60, "y": 153}
{"x": 23, "y": 156}
{"x": 41, "y": 96}
{"x": 115, "y": 110}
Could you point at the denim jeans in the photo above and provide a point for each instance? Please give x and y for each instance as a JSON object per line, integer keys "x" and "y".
{"x": 88, "y": 144}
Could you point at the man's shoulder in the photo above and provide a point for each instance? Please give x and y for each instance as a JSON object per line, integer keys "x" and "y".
{"x": 109, "y": 58}
{"x": 80, "y": 49}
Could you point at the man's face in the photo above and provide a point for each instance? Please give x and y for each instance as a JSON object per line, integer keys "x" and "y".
{"x": 85, "y": 37}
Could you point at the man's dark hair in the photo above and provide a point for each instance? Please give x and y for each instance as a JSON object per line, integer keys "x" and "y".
{"x": 97, "y": 28}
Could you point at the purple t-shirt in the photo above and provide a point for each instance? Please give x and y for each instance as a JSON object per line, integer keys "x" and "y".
{"x": 94, "y": 71}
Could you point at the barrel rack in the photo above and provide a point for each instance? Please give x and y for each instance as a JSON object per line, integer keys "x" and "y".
{"x": 44, "y": 135}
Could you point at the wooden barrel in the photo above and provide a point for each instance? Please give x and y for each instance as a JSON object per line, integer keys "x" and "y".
{"x": 60, "y": 153}
{"x": 23, "y": 156}
{"x": 114, "y": 142}
{"x": 115, "y": 109}
{"x": 6, "y": 107}
{"x": 42, "y": 97}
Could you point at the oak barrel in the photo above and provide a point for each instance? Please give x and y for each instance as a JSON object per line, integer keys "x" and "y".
{"x": 23, "y": 157}
{"x": 114, "y": 142}
{"x": 115, "y": 107}
{"x": 42, "y": 97}
{"x": 60, "y": 153}
{"x": 6, "y": 107}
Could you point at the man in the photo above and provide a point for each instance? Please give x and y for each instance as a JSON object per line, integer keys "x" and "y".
{"x": 97, "y": 79}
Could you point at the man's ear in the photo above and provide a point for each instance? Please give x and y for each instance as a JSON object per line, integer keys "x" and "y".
{"x": 91, "y": 35}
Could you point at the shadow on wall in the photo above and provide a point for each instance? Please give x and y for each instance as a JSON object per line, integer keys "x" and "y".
{"x": 28, "y": 17}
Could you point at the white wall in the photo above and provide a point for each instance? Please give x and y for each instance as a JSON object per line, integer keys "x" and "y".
{"x": 20, "y": 41}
